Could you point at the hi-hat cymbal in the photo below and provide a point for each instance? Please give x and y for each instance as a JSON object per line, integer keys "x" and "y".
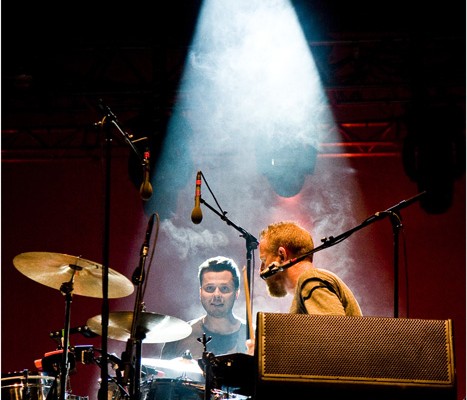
{"x": 155, "y": 328}
{"x": 54, "y": 269}
{"x": 178, "y": 364}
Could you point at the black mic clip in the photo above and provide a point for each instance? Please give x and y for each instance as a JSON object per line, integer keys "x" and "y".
{"x": 138, "y": 275}
{"x": 271, "y": 269}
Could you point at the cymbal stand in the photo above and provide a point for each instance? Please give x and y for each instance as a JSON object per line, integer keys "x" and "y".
{"x": 207, "y": 364}
{"x": 67, "y": 290}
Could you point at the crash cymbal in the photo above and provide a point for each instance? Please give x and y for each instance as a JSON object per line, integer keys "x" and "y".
{"x": 155, "y": 327}
{"x": 178, "y": 364}
{"x": 54, "y": 269}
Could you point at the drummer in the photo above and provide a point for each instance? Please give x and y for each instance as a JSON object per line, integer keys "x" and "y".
{"x": 219, "y": 279}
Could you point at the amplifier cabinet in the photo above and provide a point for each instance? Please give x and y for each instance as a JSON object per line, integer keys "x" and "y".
{"x": 301, "y": 356}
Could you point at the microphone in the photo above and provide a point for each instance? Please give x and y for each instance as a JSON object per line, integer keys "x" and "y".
{"x": 275, "y": 267}
{"x": 270, "y": 270}
{"x": 196, "y": 214}
{"x": 145, "y": 189}
{"x": 139, "y": 273}
{"x": 149, "y": 230}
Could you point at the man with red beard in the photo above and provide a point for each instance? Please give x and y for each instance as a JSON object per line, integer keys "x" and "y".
{"x": 314, "y": 290}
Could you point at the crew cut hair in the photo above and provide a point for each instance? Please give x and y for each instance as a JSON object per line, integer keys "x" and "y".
{"x": 219, "y": 264}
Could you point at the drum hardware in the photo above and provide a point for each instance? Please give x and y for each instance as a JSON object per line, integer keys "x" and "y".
{"x": 229, "y": 375}
{"x": 217, "y": 394}
{"x": 50, "y": 365}
{"x": 71, "y": 275}
{"x": 175, "y": 389}
{"x": 177, "y": 368}
{"x": 206, "y": 361}
{"x": 150, "y": 327}
{"x": 149, "y": 373}
{"x": 84, "y": 353}
{"x": 117, "y": 391}
{"x": 118, "y": 387}
{"x": 51, "y": 362}
{"x": 26, "y": 385}
{"x": 83, "y": 329}
{"x": 179, "y": 389}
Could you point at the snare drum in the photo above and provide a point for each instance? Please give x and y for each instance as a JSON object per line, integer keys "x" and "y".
{"x": 175, "y": 389}
{"x": 26, "y": 386}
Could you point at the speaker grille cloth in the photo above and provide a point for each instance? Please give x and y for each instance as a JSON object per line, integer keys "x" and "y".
{"x": 387, "y": 349}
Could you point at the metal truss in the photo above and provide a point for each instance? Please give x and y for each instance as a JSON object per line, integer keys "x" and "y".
{"x": 370, "y": 85}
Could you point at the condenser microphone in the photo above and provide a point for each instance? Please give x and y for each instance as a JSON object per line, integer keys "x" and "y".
{"x": 139, "y": 273}
{"x": 270, "y": 270}
{"x": 196, "y": 214}
{"x": 275, "y": 267}
{"x": 145, "y": 189}
{"x": 147, "y": 237}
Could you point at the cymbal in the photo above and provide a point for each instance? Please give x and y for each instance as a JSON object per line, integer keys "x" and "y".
{"x": 54, "y": 269}
{"x": 178, "y": 364}
{"x": 156, "y": 328}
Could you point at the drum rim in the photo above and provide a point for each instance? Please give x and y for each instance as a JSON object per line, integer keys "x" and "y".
{"x": 30, "y": 377}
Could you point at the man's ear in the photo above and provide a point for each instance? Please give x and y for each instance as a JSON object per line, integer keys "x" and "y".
{"x": 282, "y": 253}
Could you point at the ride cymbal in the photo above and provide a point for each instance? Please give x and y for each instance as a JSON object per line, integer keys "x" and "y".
{"x": 54, "y": 269}
{"x": 152, "y": 327}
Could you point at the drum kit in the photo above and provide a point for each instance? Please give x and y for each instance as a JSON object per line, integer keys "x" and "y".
{"x": 180, "y": 378}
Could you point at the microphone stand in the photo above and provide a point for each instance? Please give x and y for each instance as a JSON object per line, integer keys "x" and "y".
{"x": 109, "y": 118}
{"x": 392, "y": 213}
{"x": 251, "y": 244}
{"x": 132, "y": 363}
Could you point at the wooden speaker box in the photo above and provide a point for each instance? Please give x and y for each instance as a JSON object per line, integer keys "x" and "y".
{"x": 303, "y": 357}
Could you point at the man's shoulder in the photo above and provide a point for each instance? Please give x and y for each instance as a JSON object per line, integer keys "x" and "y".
{"x": 318, "y": 273}
{"x": 196, "y": 321}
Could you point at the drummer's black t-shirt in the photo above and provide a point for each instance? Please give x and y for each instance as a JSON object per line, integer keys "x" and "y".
{"x": 219, "y": 344}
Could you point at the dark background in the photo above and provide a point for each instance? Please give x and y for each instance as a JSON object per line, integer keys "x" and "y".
{"x": 394, "y": 75}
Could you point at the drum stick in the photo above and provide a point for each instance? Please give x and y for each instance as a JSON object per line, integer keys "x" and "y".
{"x": 248, "y": 303}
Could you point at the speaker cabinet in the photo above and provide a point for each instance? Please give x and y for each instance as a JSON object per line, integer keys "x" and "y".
{"x": 303, "y": 357}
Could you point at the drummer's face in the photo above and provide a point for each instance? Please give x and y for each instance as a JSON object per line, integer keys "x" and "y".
{"x": 217, "y": 293}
